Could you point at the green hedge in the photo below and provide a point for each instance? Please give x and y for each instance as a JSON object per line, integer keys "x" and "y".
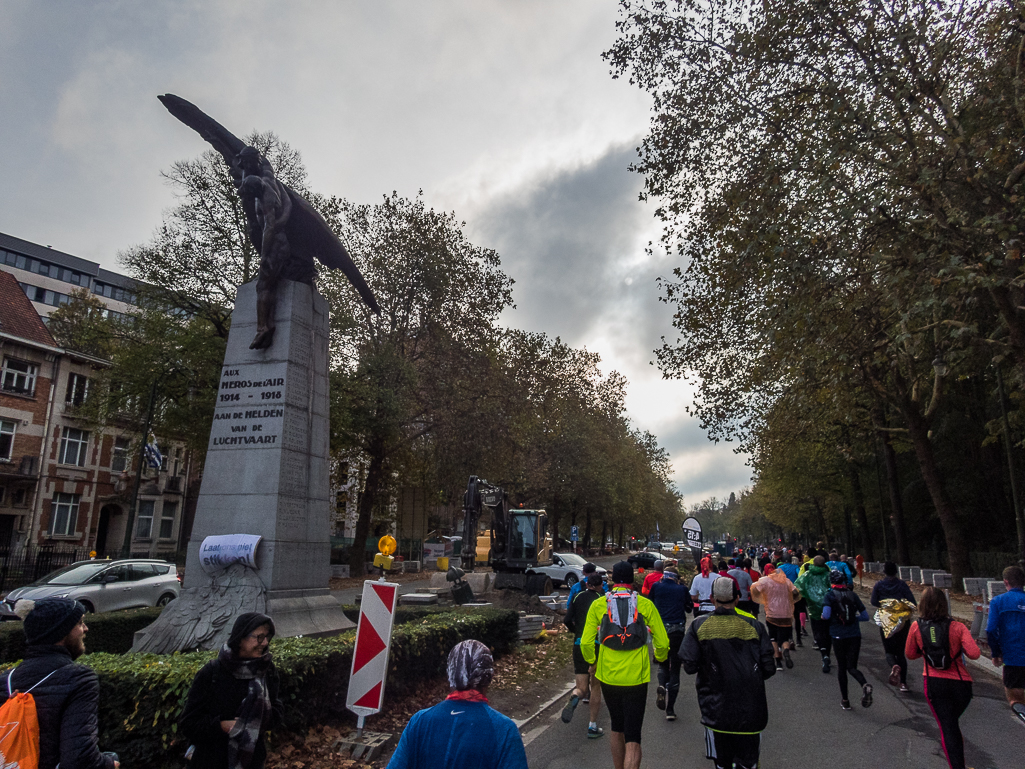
{"x": 112, "y": 632}
{"x": 403, "y": 614}
{"x": 141, "y": 695}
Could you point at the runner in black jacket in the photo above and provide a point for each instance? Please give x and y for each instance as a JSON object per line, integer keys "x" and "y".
{"x": 586, "y": 688}
{"x": 732, "y": 656}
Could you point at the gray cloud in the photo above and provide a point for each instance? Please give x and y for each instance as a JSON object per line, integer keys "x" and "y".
{"x": 501, "y": 111}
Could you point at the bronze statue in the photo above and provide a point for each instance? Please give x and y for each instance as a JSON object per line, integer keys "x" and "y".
{"x": 284, "y": 228}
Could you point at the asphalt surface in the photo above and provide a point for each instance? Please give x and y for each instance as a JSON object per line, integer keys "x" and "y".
{"x": 807, "y": 728}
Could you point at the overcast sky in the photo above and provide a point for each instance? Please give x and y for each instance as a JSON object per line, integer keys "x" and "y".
{"x": 503, "y": 112}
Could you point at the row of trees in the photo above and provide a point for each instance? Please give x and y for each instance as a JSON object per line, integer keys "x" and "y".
{"x": 842, "y": 183}
{"x": 426, "y": 394}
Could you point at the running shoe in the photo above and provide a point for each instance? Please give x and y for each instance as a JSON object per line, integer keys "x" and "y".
{"x": 567, "y": 712}
{"x": 825, "y": 664}
{"x": 904, "y": 688}
{"x": 866, "y": 701}
{"x": 660, "y": 698}
{"x": 845, "y": 704}
{"x": 584, "y": 700}
{"x": 894, "y": 678}
{"x": 779, "y": 664}
{"x": 1019, "y": 710}
{"x": 786, "y": 658}
{"x": 594, "y": 732}
{"x": 670, "y": 715}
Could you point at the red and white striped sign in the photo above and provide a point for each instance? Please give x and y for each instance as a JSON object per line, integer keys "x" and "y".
{"x": 373, "y": 641}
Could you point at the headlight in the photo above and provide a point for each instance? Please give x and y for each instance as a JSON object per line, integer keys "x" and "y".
{"x": 59, "y": 595}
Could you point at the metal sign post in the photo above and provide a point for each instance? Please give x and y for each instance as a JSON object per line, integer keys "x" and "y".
{"x": 574, "y": 535}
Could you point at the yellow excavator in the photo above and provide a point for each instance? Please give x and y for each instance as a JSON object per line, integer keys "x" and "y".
{"x": 516, "y": 544}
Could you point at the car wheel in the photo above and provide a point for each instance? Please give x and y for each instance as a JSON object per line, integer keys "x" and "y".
{"x": 165, "y": 599}
{"x": 571, "y": 579}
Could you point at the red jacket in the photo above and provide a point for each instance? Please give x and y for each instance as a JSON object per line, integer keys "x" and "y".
{"x": 960, "y": 640}
{"x": 650, "y": 579}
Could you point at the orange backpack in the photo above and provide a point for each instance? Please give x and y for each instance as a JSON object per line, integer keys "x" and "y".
{"x": 19, "y": 729}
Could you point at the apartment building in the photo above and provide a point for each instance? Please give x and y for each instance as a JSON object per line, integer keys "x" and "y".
{"x": 62, "y": 481}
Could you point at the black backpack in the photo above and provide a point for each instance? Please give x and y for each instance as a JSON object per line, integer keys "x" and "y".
{"x": 615, "y": 636}
{"x": 936, "y": 642}
{"x": 846, "y": 608}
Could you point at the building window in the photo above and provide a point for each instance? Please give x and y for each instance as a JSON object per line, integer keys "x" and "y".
{"x": 167, "y": 519}
{"x": 144, "y": 526}
{"x": 64, "y": 514}
{"x": 18, "y": 376}
{"x": 74, "y": 443}
{"x": 6, "y": 439}
{"x": 119, "y": 462}
{"x": 78, "y": 389}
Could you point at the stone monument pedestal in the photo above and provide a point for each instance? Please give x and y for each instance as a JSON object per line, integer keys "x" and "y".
{"x": 266, "y": 473}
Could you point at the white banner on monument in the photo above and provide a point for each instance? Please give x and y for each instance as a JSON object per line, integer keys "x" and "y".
{"x": 223, "y": 550}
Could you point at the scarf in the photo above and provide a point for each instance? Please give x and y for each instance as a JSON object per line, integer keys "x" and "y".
{"x": 254, "y": 713}
{"x": 467, "y": 695}
{"x": 706, "y": 566}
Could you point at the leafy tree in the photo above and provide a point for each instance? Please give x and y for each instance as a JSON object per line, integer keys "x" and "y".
{"x": 409, "y": 372}
{"x": 841, "y": 181}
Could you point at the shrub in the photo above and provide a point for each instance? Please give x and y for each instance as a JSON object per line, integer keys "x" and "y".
{"x": 112, "y": 632}
{"x": 141, "y": 695}
{"x": 403, "y": 614}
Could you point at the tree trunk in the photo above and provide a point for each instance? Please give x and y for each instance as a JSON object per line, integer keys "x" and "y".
{"x": 587, "y": 532}
{"x": 821, "y": 516}
{"x": 367, "y": 501}
{"x": 854, "y": 476}
{"x": 893, "y": 482}
{"x": 957, "y": 548}
{"x": 604, "y": 533}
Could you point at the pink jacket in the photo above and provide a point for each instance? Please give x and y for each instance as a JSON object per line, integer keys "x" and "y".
{"x": 776, "y": 593}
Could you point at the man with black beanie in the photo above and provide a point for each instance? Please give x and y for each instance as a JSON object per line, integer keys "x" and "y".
{"x": 67, "y": 695}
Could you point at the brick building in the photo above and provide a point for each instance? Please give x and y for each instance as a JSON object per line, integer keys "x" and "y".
{"x": 62, "y": 481}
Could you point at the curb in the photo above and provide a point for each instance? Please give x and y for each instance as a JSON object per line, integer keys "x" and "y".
{"x": 524, "y": 723}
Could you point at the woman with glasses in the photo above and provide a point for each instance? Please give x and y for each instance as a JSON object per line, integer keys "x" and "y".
{"x": 234, "y": 700}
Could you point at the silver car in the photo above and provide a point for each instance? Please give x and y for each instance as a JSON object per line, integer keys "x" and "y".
{"x": 104, "y": 585}
{"x": 566, "y": 568}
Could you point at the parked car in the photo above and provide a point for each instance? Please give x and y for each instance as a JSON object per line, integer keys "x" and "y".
{"x": 103, "y": 585}
{"x": 566, "y": 569}
{"x": 644, "y": 560}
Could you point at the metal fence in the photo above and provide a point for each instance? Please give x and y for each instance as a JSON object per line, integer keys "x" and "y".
{"x": 21, "y": 567}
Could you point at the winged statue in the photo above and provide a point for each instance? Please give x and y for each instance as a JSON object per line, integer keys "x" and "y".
{"x": 283, "y": 227}
{"x": 201, "y": 618}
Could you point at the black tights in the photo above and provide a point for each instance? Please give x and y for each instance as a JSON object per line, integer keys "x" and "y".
{"x": 894, "y": 648}
{"x": 847, "y": 651}
{"x": 948, "y": 699}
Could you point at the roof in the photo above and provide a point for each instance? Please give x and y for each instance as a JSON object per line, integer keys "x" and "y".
{"x": 17, "y": 315}
{"x": 46, "y": 254}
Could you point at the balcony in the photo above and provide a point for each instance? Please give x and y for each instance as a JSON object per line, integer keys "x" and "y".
{"x": 173, "y": 484}
{"x": 26, "y": 467}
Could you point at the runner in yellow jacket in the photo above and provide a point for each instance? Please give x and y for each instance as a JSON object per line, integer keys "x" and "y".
{"x": 624, "y": 674}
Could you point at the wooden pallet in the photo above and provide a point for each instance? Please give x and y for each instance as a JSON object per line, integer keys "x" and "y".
{"x": 368, "y": 747}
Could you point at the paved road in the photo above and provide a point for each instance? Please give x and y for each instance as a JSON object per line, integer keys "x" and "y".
{"x": 807, "y": 729}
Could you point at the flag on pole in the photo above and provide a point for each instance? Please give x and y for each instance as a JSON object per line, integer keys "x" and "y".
{"x": 151, "y": 454}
